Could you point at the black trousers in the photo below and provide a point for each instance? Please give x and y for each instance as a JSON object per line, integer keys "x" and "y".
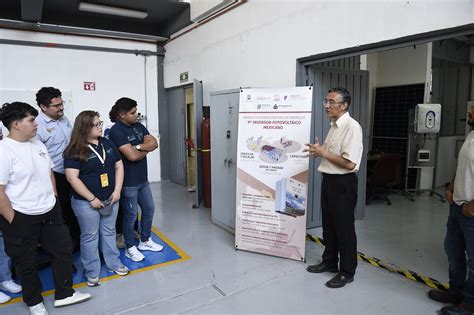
{"x": 338, "y": 201}
{"x": 22, "y": 237}
{"x": 64, "y": 195}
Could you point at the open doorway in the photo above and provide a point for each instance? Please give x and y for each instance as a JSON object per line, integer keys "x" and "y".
{"x": 410, "y": 233}
{"x": 185, "y": 112}
{"x": 190, "y": 141}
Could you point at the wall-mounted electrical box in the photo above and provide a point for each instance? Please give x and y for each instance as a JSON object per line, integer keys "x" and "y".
{"x": 427, "y": 118}
{"x": 423, "y": 155}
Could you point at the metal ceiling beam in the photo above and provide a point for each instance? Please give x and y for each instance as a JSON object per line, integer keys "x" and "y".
{"x": 136, "y": 52}
{"x": 31, "y": 10}
{"x": 51, "y": 28}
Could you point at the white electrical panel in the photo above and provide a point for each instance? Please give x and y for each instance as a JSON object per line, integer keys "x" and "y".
{"x": 427, "y": 118}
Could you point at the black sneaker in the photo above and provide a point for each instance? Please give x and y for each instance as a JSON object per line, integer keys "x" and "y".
{"x": 447, "y": 296}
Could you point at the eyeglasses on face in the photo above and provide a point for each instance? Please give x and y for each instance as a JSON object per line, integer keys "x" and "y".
{"x": 57, "y": 105}
{"x": 98, "y": 124}
{"x": 330, "y": 102}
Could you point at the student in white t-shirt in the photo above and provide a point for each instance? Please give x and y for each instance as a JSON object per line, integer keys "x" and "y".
{"x": 29, "y": 211}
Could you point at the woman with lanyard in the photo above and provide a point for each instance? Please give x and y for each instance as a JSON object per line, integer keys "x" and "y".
{"x": 94, "y": 168}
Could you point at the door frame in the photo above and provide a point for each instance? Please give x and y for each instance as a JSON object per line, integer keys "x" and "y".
{"x": 421, "y": 38}
{"x": 166, "y": 160}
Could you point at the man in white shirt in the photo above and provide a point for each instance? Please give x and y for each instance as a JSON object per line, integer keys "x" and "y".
{"x": 29, "y": 210}
{"x": 459, "y": 241}
{"x": 340, "y": 156}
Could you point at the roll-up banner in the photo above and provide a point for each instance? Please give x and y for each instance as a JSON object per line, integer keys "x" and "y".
{"x": 272, "y": 171}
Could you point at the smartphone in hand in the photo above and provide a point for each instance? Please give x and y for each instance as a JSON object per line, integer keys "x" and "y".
{"x": 107, "y": 202}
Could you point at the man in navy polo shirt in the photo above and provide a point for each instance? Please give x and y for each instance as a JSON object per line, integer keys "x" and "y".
{"x": 134, "y": 143}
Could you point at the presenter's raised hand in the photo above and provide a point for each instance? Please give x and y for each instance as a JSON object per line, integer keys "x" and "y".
{"x": 315, "y": 149}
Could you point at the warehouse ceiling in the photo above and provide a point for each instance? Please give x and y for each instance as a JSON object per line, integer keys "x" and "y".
{"x": 158, "y": 18}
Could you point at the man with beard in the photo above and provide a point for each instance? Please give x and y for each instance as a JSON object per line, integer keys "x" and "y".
{"x": 459, "y": 241}
{"x": 54, "y": 130}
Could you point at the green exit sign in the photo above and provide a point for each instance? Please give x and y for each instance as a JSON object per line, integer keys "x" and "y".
{"x": 183, "y": 77}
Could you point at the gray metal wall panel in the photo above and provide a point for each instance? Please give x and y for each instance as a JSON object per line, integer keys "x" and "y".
{"x": 177, "y": 130}
{"x": 356, "y": 82}
{"x": 451, "y": 50}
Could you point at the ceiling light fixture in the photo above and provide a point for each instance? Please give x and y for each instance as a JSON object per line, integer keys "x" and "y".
{"x": 97, "y": 8}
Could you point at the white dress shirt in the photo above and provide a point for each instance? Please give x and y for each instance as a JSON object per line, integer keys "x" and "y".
{"x": 464, "y": 181}
{"x": 344, "y": 139}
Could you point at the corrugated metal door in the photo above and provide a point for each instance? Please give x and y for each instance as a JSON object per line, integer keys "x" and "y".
{"x": 356, "y": 81}
{"x": 177, "y": 129}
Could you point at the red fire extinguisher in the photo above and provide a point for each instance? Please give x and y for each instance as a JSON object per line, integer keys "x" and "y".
{"x": 206, "y": 161}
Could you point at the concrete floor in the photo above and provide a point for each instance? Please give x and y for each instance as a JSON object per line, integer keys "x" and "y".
{"x": 219, "y": 280}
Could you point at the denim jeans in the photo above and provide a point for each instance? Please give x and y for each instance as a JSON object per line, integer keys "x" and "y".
{"x": 97, "y": 231}
{"x": 459, "y": 241}
{"x": 132, "y": 196}
{"x": 5, "y": 263}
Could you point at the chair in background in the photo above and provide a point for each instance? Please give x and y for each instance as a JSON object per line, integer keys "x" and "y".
{"x": 385, "y": 175}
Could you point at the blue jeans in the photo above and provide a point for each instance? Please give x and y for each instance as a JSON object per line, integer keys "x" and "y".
{"x": 96, "y": 231}
{"x": 133, "y": 196}
{"x": 459, "y": 241}
{"x": 5, "y": 263}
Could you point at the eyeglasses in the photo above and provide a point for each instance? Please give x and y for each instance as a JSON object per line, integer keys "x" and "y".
{"x": 98, "y": 124}
{"x": 331, "y": 102}
{"x": 57, "y": 105}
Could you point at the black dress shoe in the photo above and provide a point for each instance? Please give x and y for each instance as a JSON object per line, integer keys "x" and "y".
{"x": 461, "y": 309}
{"x": 321, "y": 267}
{"x": 447, "y": 296}
{"x": 339, "y": 281}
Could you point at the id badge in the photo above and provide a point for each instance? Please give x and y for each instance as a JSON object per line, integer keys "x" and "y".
{"x": 104, "y": 180}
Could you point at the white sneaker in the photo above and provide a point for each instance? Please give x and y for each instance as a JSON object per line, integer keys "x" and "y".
{"x": 38, "y": 309}
{"x": 134, "y": 254}
{"x": 150, "y": 245}
{"x": 10, "y": 286}
{"x": 93, "y": 282}
{"x": 4, "y": 298}
{"x": 77, "y": 297}
{"x": 121, "y": 271}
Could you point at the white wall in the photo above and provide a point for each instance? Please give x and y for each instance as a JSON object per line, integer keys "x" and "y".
{"x": 257, "y": 43}
{"x": 115, "y": 75}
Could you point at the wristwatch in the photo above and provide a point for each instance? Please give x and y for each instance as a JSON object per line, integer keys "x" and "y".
{"x": 138, "y": 147}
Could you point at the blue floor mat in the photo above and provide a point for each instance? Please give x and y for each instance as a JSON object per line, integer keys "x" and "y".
{"x": 170, "y": 253}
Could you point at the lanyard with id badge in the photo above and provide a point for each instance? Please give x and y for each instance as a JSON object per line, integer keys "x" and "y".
{"x": 104, "y": 180}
